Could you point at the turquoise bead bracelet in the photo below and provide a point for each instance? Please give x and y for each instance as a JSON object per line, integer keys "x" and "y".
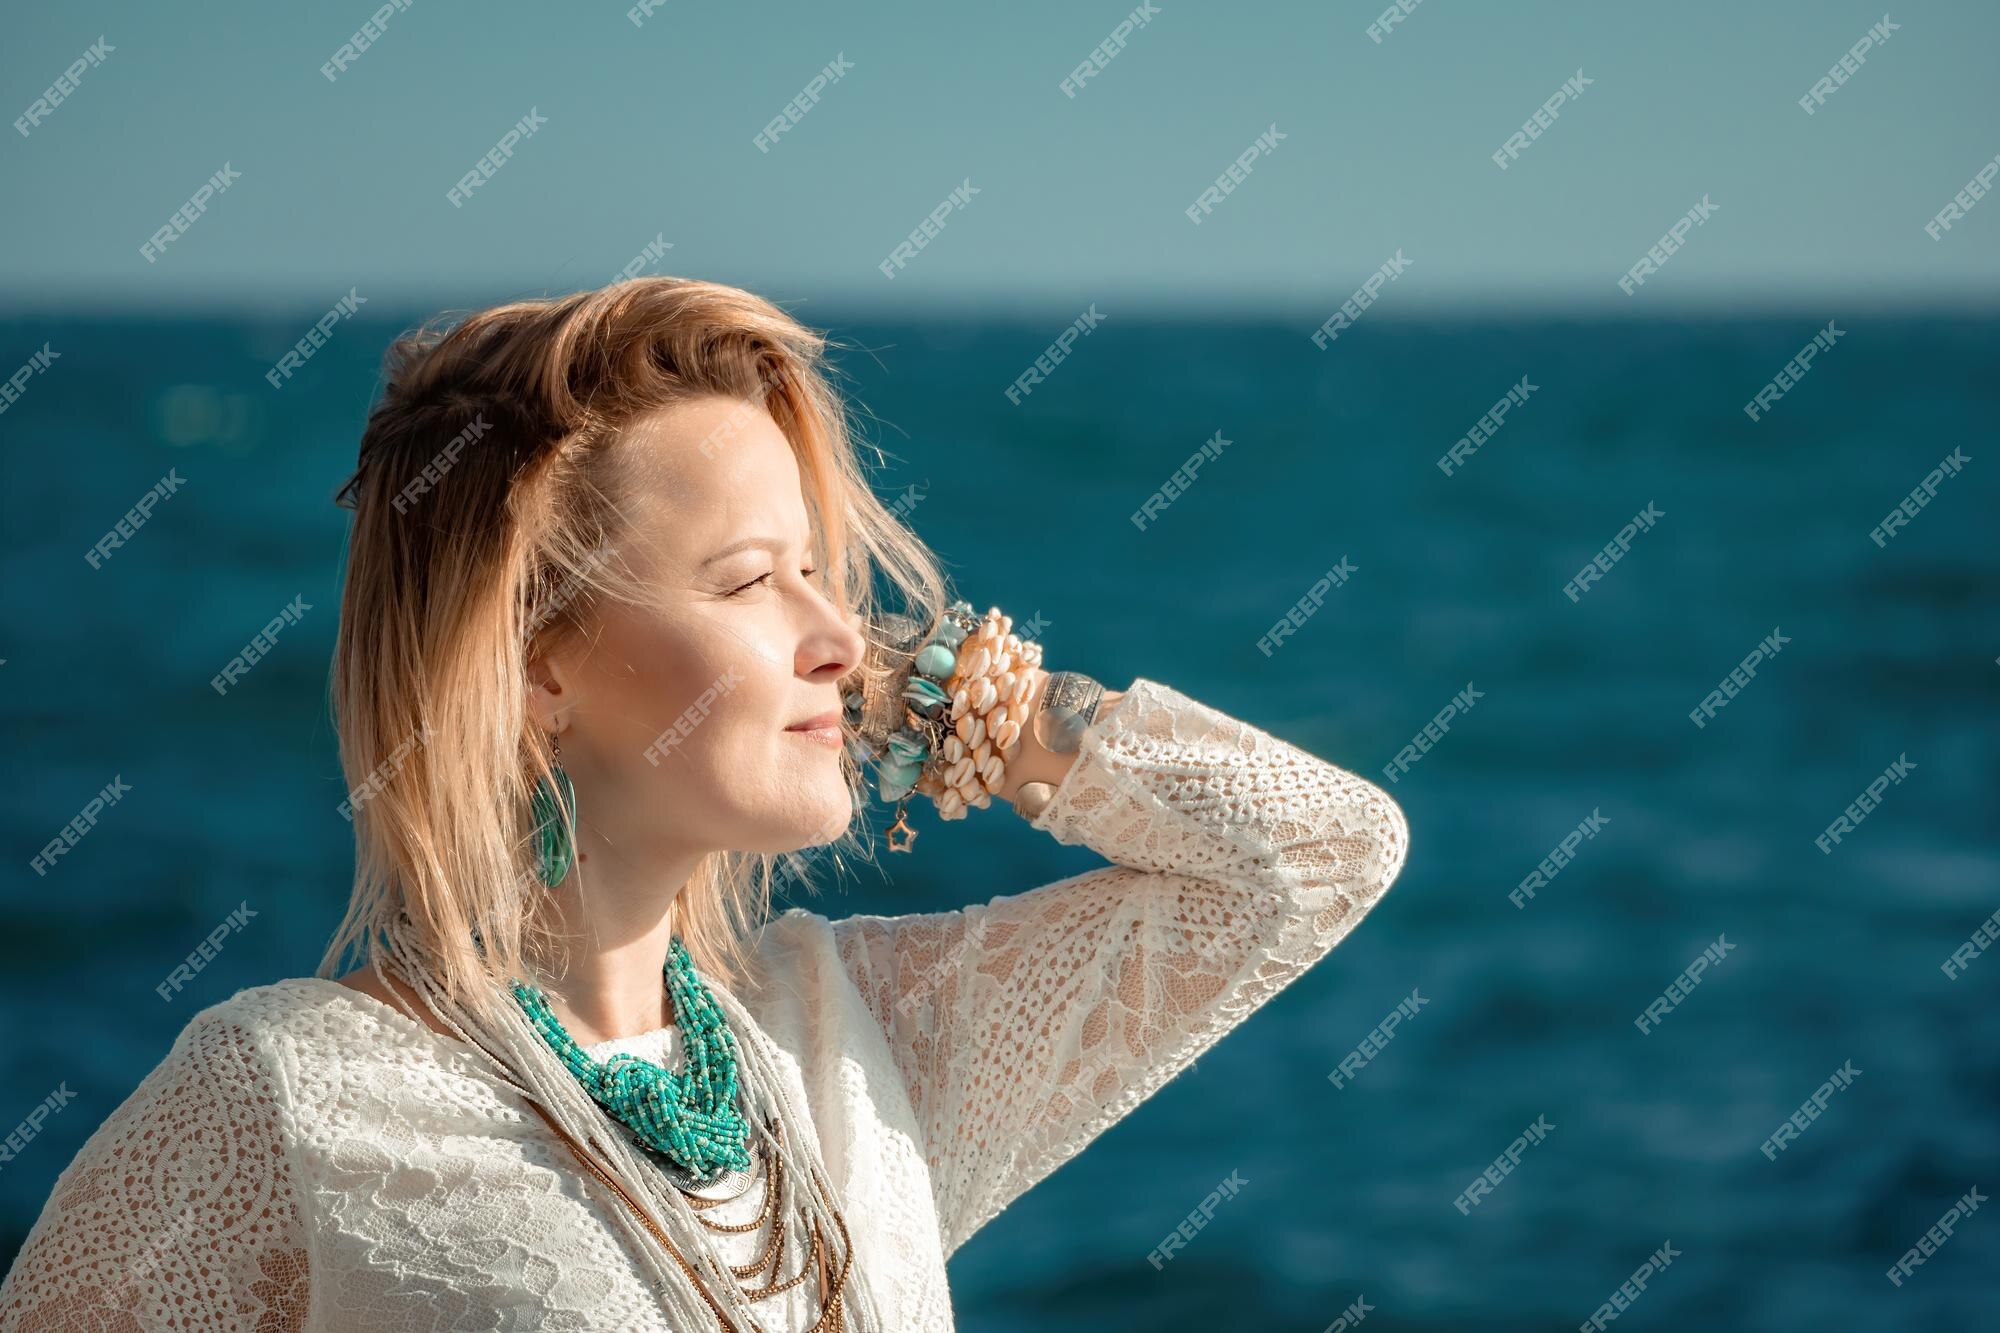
{"x": 903, "y": 754}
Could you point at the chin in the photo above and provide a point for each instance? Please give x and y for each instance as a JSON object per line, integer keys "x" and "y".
{"x": 836, "y": 815}
{"x": 823, "y": 815}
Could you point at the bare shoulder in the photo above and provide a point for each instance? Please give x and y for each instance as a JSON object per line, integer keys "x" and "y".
{"x": 366, "y": 981}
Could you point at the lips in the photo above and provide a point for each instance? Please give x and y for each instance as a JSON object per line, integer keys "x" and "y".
{"x": 824, "y": 730}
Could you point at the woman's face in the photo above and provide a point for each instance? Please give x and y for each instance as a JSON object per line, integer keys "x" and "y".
{"x": 679, "y": 718}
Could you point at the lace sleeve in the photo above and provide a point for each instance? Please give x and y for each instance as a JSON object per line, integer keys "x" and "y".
{"x": 178, "y": 1212}
{"x": 1027, "y": 1026}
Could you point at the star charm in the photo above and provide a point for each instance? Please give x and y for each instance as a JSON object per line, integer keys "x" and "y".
{"x": 907, "y": 834}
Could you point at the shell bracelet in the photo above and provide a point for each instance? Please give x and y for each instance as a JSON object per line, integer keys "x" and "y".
{"x": 950, "y": 713}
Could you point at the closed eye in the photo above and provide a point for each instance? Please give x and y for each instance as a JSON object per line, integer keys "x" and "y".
{"x": 765, "y": 578}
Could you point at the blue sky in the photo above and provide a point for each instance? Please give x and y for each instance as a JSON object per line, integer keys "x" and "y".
{"x": 649, "y": 132}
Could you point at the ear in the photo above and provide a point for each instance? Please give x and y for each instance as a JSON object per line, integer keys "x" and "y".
{"x": 549, "y": 700}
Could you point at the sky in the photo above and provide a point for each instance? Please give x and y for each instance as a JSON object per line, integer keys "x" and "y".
{"x": 646, "y": 133}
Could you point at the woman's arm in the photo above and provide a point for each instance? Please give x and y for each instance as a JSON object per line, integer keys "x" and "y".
{"x": 178, "y": 1212}
{"x": 1026, "y": 1026}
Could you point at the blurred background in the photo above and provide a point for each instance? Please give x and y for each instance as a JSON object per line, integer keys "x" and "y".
{"x": 1196, "y": 192}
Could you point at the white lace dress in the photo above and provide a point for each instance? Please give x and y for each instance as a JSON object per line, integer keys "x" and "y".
{"x": 309, "y": 1158}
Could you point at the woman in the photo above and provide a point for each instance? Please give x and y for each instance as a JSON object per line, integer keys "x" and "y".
{"x": 610, "y": 648}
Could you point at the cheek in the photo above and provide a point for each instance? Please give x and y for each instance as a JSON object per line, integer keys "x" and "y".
{"x": 705, "y": 693}
{"x": 692, "y": 712}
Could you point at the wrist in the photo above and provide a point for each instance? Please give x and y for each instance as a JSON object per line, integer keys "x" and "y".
{"x": 1032, "y": 761}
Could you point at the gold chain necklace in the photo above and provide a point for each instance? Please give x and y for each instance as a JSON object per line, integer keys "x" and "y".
{"x": 832, "y": 1285}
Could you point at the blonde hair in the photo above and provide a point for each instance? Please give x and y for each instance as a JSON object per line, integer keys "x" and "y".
{"x": 486, "y": 528}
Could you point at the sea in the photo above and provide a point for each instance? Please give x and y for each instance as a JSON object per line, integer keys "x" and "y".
{"x": 1627, "y": 655}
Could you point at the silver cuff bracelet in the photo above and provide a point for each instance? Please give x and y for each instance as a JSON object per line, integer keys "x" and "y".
{"x": 1067, "y": 707}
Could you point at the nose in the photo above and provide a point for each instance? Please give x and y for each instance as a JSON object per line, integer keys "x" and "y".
{"x": 835, "y": 648}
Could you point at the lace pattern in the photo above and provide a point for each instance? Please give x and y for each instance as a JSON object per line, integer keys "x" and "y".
{"x": 1027, "y": 1026}
{"x": 179, "y": 1212}
{"x": 307, "y": 1158}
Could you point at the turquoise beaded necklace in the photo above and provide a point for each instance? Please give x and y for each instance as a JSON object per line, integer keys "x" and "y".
{"x": 691, "y": 1117}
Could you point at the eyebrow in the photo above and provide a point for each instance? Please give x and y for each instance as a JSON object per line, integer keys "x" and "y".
{"x": 772, "y": 544}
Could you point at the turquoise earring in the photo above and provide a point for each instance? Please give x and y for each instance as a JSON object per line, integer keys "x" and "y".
{"x": 555, "y": 851}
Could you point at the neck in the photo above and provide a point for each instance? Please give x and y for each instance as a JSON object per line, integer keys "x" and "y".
{"x": 617, "y": 920}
